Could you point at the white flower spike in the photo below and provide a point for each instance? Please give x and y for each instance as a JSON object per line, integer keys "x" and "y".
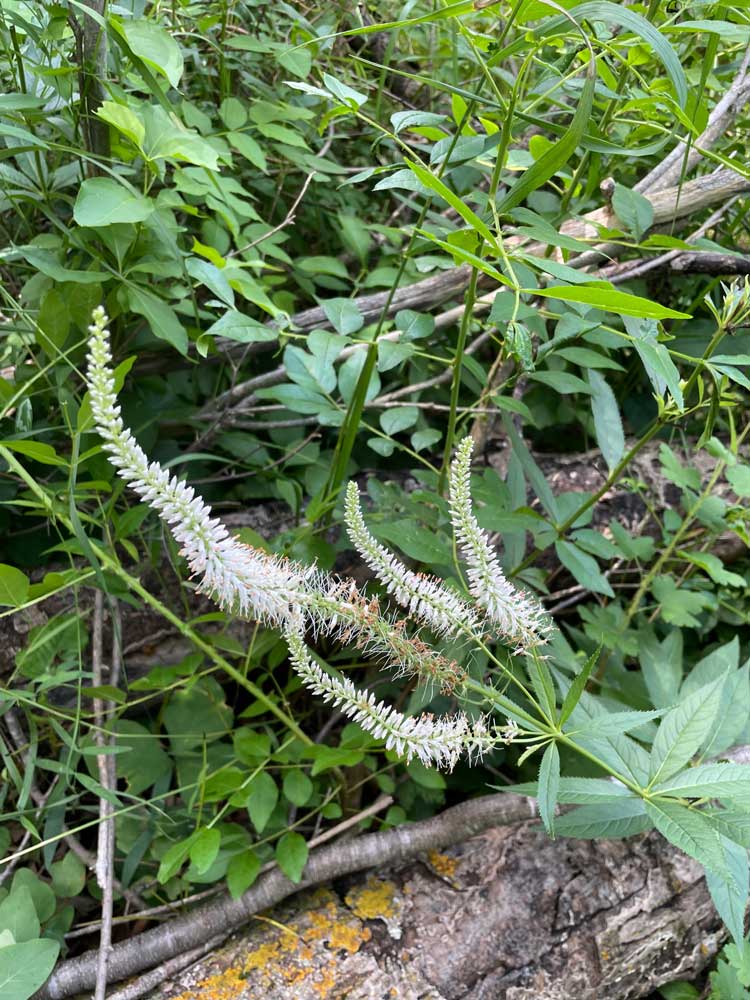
{"x": 520, "y": 618}
{"x": 251, "y": 583}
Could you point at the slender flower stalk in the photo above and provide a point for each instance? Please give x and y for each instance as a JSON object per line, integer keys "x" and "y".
{"x": 520, "y": 618}
{"x": 423, "y": 597}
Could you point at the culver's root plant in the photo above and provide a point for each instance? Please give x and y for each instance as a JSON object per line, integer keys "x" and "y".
{"x": 670, "y": 777}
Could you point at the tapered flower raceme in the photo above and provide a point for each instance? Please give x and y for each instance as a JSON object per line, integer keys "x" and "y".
{"x": 435, "y": 741}
{"x": 520, "y": 618}
{"x": 241, "y": 579}
{"x": 252, "y": 583}
{"x": 424, "y": 597}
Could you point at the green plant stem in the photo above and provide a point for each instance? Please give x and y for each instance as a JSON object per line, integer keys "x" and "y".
{"x": 457, "y": 365}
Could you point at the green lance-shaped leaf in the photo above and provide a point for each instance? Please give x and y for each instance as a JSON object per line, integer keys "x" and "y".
{"x": 693, "y": 832}
{"x": 558, "y": 154}
{"x": 610, "y": 435}
{"x": 683, "y": 730}
{"x": 438, "y": 187}
{"x": 731, "y": 895}
{"x": 549, "y": 781}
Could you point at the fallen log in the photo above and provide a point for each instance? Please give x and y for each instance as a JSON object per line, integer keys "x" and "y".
{"x": 508, "y": 915}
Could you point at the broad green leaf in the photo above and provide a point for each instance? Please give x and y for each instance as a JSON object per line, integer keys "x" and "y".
{"x": 247, "y": 146}
{"x": 297, "y": 787}
{"x": 25, "y": 967}
{"x": 344, "y": 93}
{"x": 607, "y": 420}
{"x": 102, "y": 201}
{"x": 160, "y": 317}
{"x": 437, "y": 186}
{"x": 155, "y": 46}
{"x": 211, "y": 276}
{"x": 242, "y": 872}
{"x": 291, "y": 855}
{"x": 635, "y": 212}
{"x": 45, "y": 902}
{"x": 173, "y": 859}
{"x": 623, "y": 818}
{"x": 14, "y": 586}
{"x": 235, "y": 325}
{"x": 18, "y": 915}
{"x": 204, "y": 848}
{"x": 124, "y": 119}
{"x": 261, "y": 800}
{"x": 610, "y": 300}
{"x": 683, "y": 730}
{"x": 692, "y": 831}
{"x": 549, "y": 780}
{"x": 679, "y": 605}
{"x": 401, "y": 120}
{"x": 343, "y": 315}
{"x": 68, "y": 876}
{"x": 398, "y": 418}
{"x": 583, "y": 567}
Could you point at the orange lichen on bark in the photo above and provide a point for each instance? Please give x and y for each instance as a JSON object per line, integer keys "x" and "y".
{"x": 376, "y": 899}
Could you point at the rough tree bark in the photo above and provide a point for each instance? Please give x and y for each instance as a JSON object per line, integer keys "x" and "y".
{"x": 509, "y": 915}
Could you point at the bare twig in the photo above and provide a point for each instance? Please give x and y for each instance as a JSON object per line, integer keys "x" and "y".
{"x": 105, "y": 855}
{"x": 286, "y": 221}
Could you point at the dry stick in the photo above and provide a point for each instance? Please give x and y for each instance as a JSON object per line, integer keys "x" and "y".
{"x": 618, "y": 273}
{"x": 145, "y": 984}
{"x": 726, "y": 110}
{"x": 105, "y": 854}
{"x": 371, "y": 850}
{"x": 248, "y": 400}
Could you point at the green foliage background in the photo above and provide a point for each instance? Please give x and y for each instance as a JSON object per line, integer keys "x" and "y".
{"x": 262, "y": 160}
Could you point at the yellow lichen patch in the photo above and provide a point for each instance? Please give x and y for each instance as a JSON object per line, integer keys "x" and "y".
{"x": 325, "y": 981}
{"x": 443, "y": 865}
{"x": 376, "y": 899}
{"x": 347, "y": 937}
{"x": 325, "y": 924}
{"x": 226, "y": 985}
